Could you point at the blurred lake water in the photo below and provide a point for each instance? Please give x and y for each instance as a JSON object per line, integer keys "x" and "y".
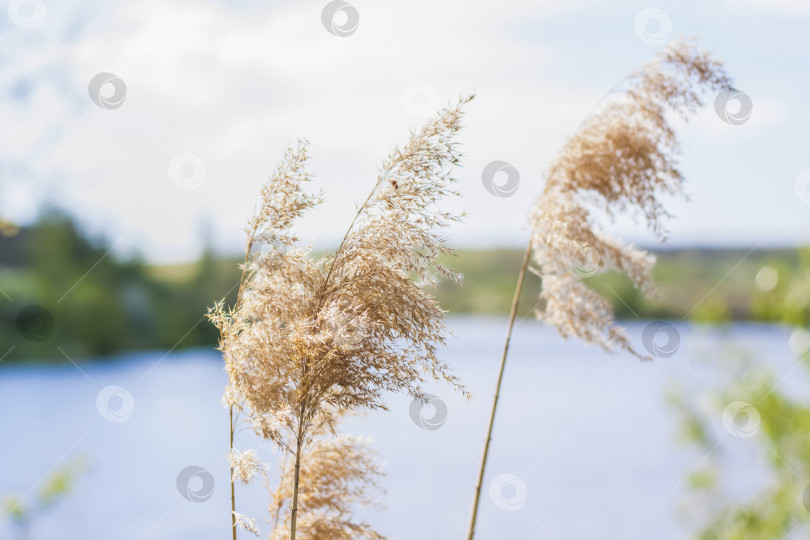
{"x": 584, "y": 447}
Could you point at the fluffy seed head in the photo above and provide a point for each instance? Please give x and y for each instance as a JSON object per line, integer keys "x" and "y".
{"x": 622, "y": 159}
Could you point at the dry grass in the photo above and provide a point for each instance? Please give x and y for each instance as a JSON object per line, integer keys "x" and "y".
{"x": 337, "y": 475}
{"x": 622, "y": 159}
{"x": 310, "y": 339}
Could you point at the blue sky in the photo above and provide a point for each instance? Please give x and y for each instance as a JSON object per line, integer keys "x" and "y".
{"x": 220, "y": 89}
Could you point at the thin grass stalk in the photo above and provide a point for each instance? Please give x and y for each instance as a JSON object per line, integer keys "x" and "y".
{"x": 248, "y": 247}
{"x": 233, "y": 491}
{"x": 359, "y": 212}
{"x": 298, "y": 444}
{"x": 512, "y": 315}
{"x": 294, "y": 511}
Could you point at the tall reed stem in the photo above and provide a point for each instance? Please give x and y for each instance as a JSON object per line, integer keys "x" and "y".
{"x": 233, "y": 494}
{"x": 297, "y": 472}
{"x": 512, "y": 315}
{"x": 248, "y": 247}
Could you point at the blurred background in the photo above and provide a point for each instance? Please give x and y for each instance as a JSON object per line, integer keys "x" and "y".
{"x": 136, "y": 137}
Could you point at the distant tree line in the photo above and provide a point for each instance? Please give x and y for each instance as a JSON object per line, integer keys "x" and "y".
{"x": 61, "y": 289}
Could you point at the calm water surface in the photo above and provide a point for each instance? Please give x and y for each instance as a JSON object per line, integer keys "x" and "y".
{"x": 587, "y": 439}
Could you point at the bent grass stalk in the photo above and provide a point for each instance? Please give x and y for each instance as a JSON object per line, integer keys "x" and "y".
{"x": 512, "y": 315}
{"x": 622, "y": 157}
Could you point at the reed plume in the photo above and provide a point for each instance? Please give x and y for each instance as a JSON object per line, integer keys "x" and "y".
{"x": 337, "y": 475}
{"x": 622, "y": 158}
{"x": 310, "y": 339}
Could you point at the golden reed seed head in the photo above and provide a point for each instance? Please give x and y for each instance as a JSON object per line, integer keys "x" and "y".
{"x": 245, "y": 464}
{"x": 623, "y": 158}
{"x": 338, "y": 475}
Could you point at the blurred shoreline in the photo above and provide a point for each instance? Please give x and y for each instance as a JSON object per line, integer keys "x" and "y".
{"x": 63, "y": 288}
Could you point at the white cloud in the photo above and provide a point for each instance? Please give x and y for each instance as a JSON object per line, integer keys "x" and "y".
{"x": 234, "y": 87}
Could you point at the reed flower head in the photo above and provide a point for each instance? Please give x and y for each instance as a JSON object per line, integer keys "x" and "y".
{"x": 623, "y": 158}
{"x": 245, "y": 464}
{"x": 338, "y": 475}
{"x": 311, "y": 337}
{"x": 247, "y": 523}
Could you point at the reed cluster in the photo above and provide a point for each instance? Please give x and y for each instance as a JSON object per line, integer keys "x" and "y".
{"x": 312, "y": 339}
{"x": 309, "y": 340}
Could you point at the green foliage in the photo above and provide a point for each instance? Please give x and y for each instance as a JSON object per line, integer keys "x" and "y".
{"x": 701, "y": 284}
{"x": 15, "y": 507}
{"x": 99, "y": 305}
{"x": 782, "y": 506}
{"x": 56, "y": 487}
{"x": 789, "y": 300}
{"x": 109, "y": 305}
{"x": 781, "y": 424}
{"x": 488, "y": 285}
